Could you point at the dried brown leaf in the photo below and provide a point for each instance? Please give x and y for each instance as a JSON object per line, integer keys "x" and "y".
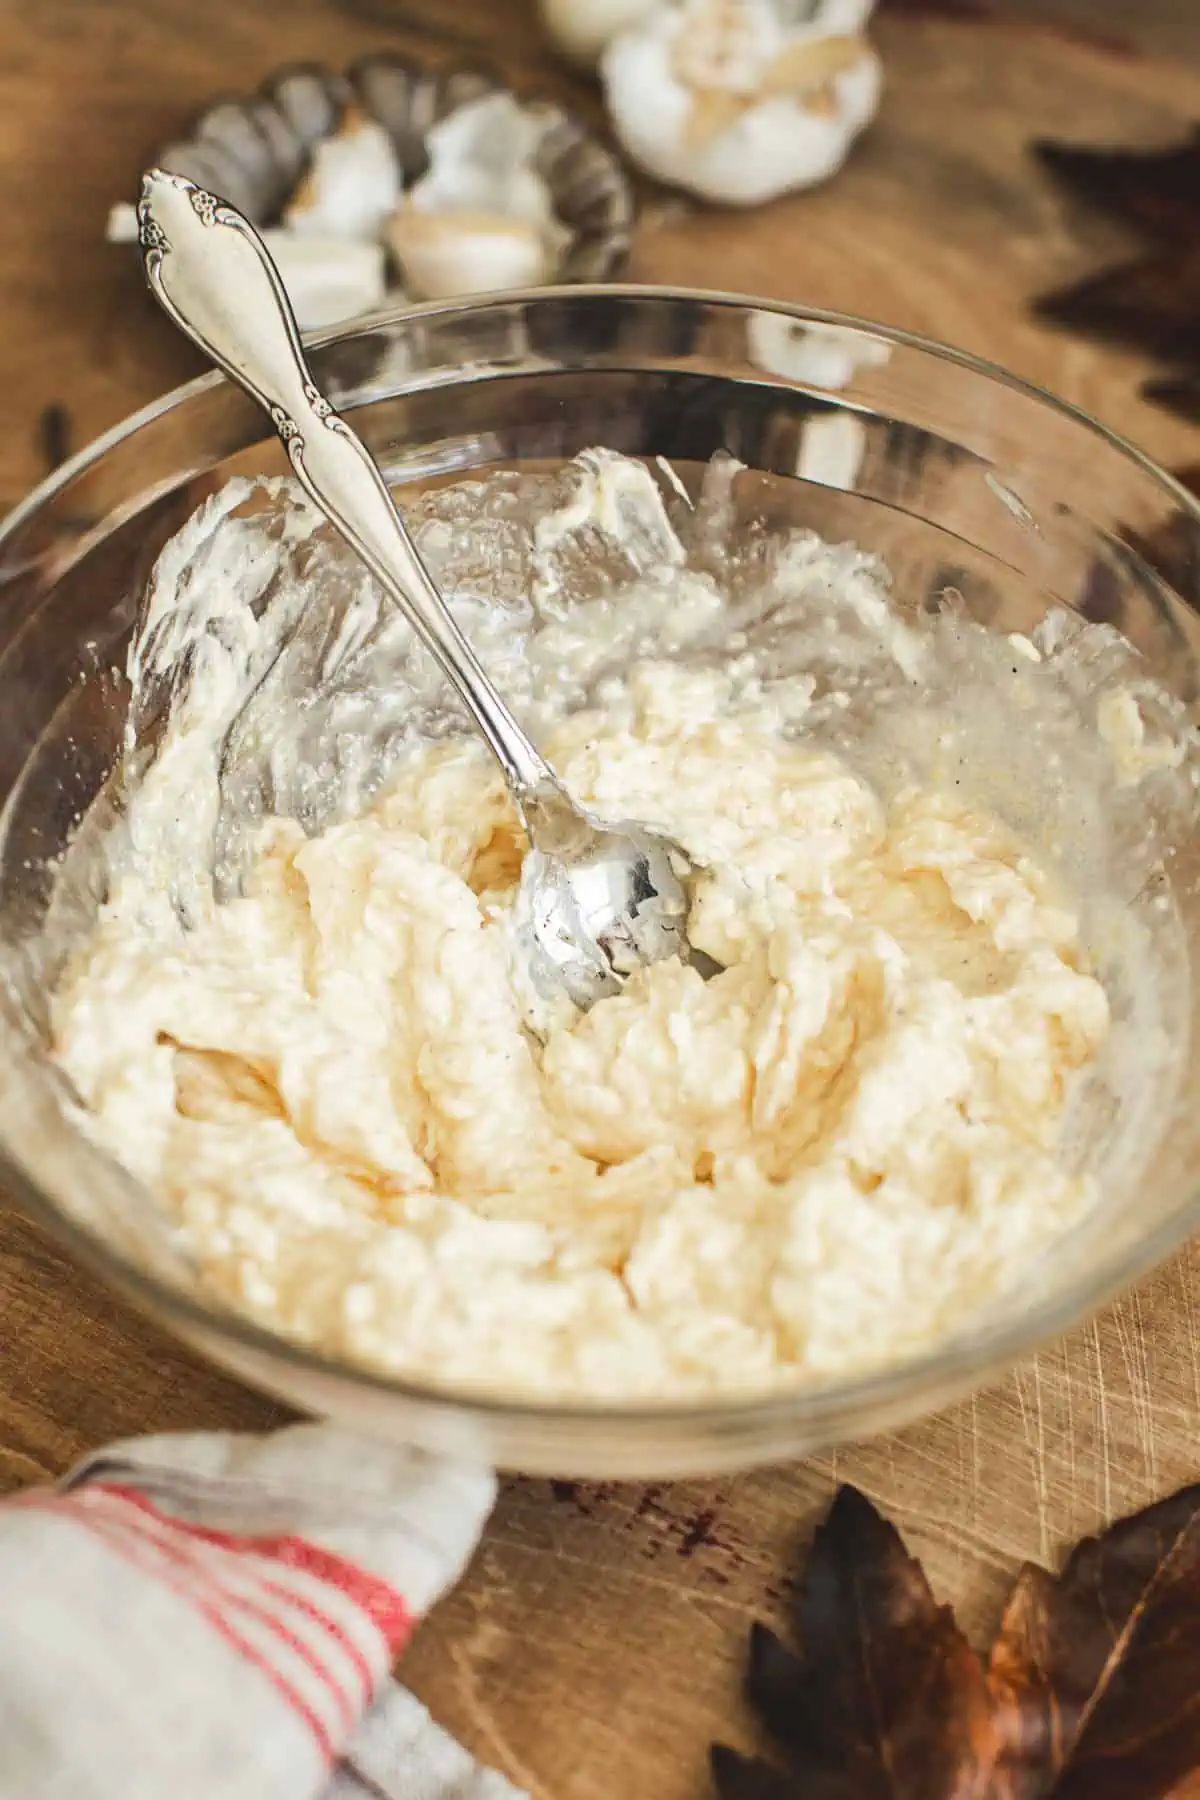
{"x": 1092, "y": 1690}
{"x": 887, "y": 1698}
{"x": 1153, "y": 303}
{"x": 1112, "y": 1650}
{"x": 1157, "y": 192}
{"x": 1181, "y": 393}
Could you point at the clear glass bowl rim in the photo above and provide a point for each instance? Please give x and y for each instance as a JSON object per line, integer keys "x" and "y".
{"x": 829, "y": 1411}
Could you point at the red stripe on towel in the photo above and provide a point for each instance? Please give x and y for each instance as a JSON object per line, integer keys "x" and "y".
{"x": 195, "y": 1560}
{"x": 384, "y": 1606}
{"x": 141, "y": 1556}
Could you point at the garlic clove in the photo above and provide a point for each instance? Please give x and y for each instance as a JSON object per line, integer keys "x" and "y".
{"x": 482, "y": 158}
{"x": 442, "y": 254}
{"x": 580, "y": 29}
{"x": 482, "y": 216}
{"x": 328, "y": 279}
{"x": 352, "y": 184}
{"x": 122, "y": 226}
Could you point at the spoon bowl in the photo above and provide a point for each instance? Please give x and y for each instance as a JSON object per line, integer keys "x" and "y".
{"x": 598, "y": 902}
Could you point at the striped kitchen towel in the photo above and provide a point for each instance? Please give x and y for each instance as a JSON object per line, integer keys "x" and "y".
{"x": 216, "y": 1617}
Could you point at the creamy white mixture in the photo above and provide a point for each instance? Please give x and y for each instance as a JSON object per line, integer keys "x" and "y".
{"x": 824, "y": 1158}
{"x": 293, "y": 1015}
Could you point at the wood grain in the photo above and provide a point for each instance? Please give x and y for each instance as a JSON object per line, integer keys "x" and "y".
{"x": 594, "y": 1646}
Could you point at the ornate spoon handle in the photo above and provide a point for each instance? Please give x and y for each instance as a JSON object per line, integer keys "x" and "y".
{"x": 211, "y": 272}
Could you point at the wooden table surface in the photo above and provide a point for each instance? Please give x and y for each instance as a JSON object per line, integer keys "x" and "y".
{"x": 593, "y": 1649}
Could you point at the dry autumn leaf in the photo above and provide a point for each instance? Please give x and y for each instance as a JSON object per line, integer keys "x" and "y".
{"x": 1151, "y": 302}
{"x": 1091, "y": 1691}
{"x": 1180, "y": 392}
{"x": 1155, "y": 191}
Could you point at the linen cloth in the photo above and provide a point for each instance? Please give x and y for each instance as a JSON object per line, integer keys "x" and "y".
{"x": 216, "y": 1616}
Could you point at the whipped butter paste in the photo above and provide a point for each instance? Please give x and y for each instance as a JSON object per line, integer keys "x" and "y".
{"x": 824, "y": 1158}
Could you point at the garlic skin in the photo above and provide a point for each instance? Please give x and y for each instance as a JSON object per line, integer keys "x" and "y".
{"x": 580, "y": 29}
{"x": 726, "y": 99}
{"x": 328, "y": 279}
{"x": 352, "y": 185}
{"x": 481, "y": 217}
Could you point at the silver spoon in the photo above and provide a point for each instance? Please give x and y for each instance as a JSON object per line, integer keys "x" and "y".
{"x": 597, "y": 900}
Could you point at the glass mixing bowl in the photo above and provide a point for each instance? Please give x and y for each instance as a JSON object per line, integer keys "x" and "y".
{"x": 957, "y": 474}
